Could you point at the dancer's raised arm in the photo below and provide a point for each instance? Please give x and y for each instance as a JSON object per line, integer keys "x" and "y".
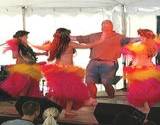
{"x": 45, "y": 46}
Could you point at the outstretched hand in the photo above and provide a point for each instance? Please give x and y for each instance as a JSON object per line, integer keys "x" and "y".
{"x": 45, "y": 53}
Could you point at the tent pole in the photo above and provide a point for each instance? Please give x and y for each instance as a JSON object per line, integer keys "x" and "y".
{"x": 123, "y": 19}
{"x": 24, "y": 17}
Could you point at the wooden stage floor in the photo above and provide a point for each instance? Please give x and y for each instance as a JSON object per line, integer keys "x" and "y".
{"x": 86, "y": 114}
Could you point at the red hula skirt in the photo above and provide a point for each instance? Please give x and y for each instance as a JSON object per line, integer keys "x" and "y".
{"x": 66, "y": 83}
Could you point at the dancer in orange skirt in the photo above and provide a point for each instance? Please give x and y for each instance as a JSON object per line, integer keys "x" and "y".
{"x": 143, "y": 75}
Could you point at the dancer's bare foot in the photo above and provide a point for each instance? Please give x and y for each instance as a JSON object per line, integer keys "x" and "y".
{"x": 70, "y": 113}
{"x": 90, "y": 102}
{"x": 145, "y": 108}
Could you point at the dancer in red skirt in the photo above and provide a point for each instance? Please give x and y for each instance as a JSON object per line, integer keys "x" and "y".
{"x": 23, "y": 78}
{"x": 65, "y": 81}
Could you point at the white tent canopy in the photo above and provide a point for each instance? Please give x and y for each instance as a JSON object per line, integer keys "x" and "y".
{"x": 81, "y": 3}
{"x": 59, "y": 3}
{"x": 153, "y": 5}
